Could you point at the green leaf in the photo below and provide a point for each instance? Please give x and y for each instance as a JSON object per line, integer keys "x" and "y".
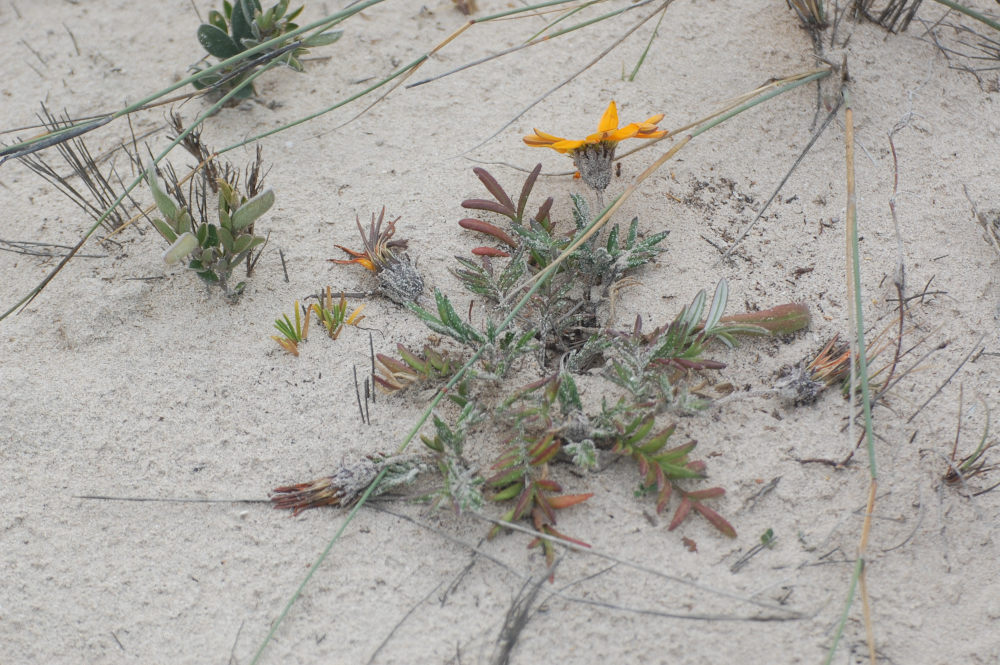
{"x": 242, "y": 243}
{"x": 213, "y": 236}
{"x": 165, "y": 230}
{"x": 166, "y": 204}
{"x": 225, "y": 221}
{"x": 508, "y": 493}
{"x": 226, "y": 238}
{"x": 633, "y": 230}
{"x": 252, "y": 210}
{"x": 323, "y": 38}
{"x": 202, "y": 234}
{"x": 216, "y": 41}
{"x": 613, "y": 247}
{"x": 718, "y": 305}
{"x": 569, "y": 397}
{"x": 184, "y": 223}
{"x": 180, "y": 248}
{"x": 218, "y": 20}
{"x": 240, "y": 21}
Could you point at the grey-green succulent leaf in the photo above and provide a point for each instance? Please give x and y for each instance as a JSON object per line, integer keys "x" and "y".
{"x": 252, "y": 210}
{"x": 163, "y": 201}
{"x": 323, "y": 38}
{"x": 169, "y": 234}
{"x": 180, "y": 248}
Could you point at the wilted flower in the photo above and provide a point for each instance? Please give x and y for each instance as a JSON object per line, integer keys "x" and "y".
{"x": 396, "y": 277}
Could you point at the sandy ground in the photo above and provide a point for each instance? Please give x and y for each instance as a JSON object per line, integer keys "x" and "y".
{"x": 127, "y": 378}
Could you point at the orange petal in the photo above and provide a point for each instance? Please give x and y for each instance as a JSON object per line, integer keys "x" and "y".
{"x": 541, "y": 139}
{"x": 609, "y": 121}
{"x": 626, "y": 132}
{"x": 651, "y": 135}
{"x": 536, "y": 141}
{"x": 566, "y": 145}
{"x": 655, "y": 120}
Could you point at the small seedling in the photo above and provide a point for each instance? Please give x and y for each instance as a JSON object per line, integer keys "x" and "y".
{"x": 293, "y": 333}
{"x": 974, "y": 464}
{"x": 242, "y": 25}
{"x": 334, "y": 316}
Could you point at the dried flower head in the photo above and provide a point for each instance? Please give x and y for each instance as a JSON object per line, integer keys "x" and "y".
{"x": 348, "y": 483}
{"x": 396, "y": 276}
{"x": 803, "y": 384}
{"x": 594, "y": 155}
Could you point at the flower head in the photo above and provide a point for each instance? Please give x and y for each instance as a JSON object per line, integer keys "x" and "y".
{"x": 378, "y": 245}
{"x": 395, "y": 275}
{"x": 593, "y": 155}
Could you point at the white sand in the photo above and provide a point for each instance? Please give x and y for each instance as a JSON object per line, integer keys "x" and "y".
{"x": 113, "y": 384}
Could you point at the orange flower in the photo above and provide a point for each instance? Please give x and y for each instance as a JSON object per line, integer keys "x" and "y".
{"x": 607, "y": 132}
{"x": 593, "y": 155}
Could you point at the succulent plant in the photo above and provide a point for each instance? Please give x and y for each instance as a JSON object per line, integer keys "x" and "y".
{"x": 243, "y": 25}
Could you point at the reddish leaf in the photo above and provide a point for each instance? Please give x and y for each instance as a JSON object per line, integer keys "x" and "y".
{"x": 643, "y": 467}
{"x": 664, "y": 498}
{"x": 782, "y": 319}
{"x": 494, "y": 188}
{"x": 706, "y": 494}
{"x": 543, "y": 213}
{"x": 542, "y": 506}
{"x": 489, "y": 251}
{"x": 548, "y": 485}
{"x": 540, "y": 454}
{"x": 682, "y": 512}
{"x": 716, "y": 519}
{"x": 526, "y": 189}
{"x": 393, "y": 365}
{"x": 491, "y": 206}
{"x": 523, "y": 502}
{"x": 552, "y": 532}
{"x": 661, "y": 479}
{"x": 487, "y": 228}
{"x": 696, "y": 465}
{"x": 567, "y": 500}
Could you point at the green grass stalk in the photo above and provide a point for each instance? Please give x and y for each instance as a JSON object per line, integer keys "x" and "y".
{"x": 857, "y": 316}
{"x": 970, "y": 12}
{"x": 649, "y": 44}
